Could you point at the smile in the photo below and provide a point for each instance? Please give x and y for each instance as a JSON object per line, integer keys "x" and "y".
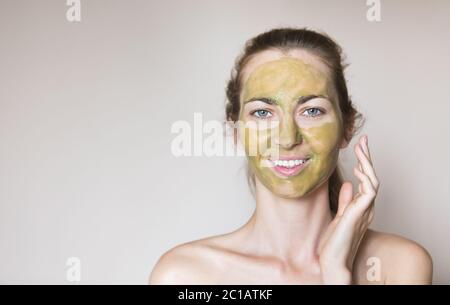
{"x": 289, "y": 167}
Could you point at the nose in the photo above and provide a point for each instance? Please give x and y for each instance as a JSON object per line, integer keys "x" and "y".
{"x": 289, "y": 133}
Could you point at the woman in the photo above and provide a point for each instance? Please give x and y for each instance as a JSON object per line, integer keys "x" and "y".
{"x": 308, "y": 226}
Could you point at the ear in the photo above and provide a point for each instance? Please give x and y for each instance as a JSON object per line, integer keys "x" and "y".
{"x": 348, "y": 135}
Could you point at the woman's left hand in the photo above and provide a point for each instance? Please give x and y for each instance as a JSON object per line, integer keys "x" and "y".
{"x": 339, "y": 244}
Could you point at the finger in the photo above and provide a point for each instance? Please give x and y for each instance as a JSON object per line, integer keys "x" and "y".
{"x": 366, "y": 150}
{"x": 359, "y": 184}
{"x": 361, "y": 170}
{"x": 367, "y": 187}
{"x": 365, "y": 145}
{"x": 345, "y": 197}
{"x": 366, "y": 165}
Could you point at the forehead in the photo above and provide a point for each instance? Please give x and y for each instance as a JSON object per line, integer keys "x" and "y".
{"x": 294, "y": 72}
{"x": 274, "y": 54}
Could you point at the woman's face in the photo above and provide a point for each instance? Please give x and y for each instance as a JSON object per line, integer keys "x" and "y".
{"x": 289, "y": 113}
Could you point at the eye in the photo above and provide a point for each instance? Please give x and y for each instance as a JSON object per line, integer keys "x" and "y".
{"x": 261, "y": 114}
{"x": 312, "y": 112}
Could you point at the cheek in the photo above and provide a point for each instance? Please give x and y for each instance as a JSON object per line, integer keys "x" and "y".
{"x": 323, "y": 139}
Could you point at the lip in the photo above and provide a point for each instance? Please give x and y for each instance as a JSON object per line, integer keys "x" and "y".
{"x": 287, "y": 158}
{"x": 288, "y": 172}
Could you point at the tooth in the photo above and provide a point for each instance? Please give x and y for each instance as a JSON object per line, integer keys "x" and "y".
{"x": 291, "y": 163}
{"x": 297, "y": 162}
{"x": 285, "y": 163}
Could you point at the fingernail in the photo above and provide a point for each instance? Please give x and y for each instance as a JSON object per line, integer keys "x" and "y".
{"x": 365, "y": 139}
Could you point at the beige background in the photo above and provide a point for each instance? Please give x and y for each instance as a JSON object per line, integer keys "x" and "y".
{"x": 86, "y": 110}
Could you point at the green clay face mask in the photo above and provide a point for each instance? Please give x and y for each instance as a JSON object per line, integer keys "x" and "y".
{"x": 301, "y": 121}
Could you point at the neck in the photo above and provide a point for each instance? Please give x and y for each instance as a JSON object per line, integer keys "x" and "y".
{"x": 289, "y": 229}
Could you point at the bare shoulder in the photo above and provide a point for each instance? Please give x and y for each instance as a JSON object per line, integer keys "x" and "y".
{"x": 400, "y": 260}
{"x": 189, "y": 263}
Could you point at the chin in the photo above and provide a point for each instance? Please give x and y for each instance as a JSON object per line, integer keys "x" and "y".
{"x": 290, "y": 193}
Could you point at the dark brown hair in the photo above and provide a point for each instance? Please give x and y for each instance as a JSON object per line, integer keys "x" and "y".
{"x": 319, "y": 44}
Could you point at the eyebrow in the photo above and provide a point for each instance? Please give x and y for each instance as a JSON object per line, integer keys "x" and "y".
{"x": 270, "y": 101}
